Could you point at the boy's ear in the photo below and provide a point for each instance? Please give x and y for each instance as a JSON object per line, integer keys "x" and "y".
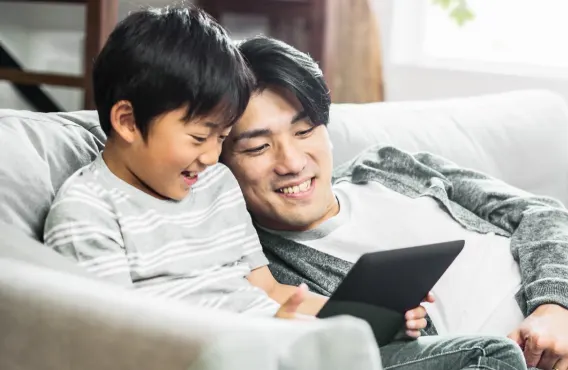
{"x": 122, "y": 120}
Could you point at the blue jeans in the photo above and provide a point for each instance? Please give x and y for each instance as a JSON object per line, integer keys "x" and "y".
{"x": 453, "y": 353}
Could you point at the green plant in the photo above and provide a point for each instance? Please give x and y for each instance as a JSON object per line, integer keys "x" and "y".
{"x": 458, "y": 9}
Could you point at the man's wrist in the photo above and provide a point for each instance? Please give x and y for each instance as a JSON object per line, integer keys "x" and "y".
{"x": 546, "y": 292}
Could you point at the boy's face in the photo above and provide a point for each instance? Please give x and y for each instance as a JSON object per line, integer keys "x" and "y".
{"x": 283, "y": 163}
{"x": 169, "y": 161}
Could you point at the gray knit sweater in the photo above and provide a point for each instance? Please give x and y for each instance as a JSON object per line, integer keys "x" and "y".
{"x": 537, "y": 226}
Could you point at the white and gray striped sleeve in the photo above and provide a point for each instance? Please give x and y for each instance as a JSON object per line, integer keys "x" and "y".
{"x": 83, "y": 227}
{"x": 252, "y": 249}
{"x": 252, "y": 253}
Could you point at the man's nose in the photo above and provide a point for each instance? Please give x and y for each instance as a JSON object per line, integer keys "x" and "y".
{"x": 290, "y": 160}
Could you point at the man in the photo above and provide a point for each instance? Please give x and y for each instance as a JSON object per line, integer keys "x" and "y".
{"x": 314, "y": 224}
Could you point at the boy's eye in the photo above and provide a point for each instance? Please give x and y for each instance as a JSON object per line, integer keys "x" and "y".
{"x": 199, "y": 139}
{"x": 257, "y": 149}
{"x": 305, "y": 132}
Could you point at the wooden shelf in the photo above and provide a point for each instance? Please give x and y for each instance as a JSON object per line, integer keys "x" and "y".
{"x": 283, "y": 8}
{"x": 46, "y": 1}
{"x": 37, "y": 78}
{"x": 101, "y": 17}
{"x": 280, "y": 12}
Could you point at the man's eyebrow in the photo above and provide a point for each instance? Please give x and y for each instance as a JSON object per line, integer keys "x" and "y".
{"x": 299, "y": 116}
{"x": 252, "y": 134}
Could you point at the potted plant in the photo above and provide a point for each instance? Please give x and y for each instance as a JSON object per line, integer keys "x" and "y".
{"x": 459, "y": 10}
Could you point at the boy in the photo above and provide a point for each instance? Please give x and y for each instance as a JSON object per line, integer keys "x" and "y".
{"x": 154, "y": 212}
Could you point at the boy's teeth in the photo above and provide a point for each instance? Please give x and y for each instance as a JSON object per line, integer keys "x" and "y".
{"x": 298, "y": 188}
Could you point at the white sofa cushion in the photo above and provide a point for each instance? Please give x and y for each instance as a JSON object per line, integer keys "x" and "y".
{"x": 520, "y": 137}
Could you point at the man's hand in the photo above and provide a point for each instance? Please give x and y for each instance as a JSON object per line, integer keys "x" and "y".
{"x": 544, "y": 338}
{"x": 416, "y": 318}
{"x": 288, "y": 310}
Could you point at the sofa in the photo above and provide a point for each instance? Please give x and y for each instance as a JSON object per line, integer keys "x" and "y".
{"x": 54, "y": 315}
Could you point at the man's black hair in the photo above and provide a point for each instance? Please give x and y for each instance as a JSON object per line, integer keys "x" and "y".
{"x": 277, "y": 64}
{"x": 165, "y": 59}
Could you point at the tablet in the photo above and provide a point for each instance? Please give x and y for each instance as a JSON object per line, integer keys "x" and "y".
{"x": 382, "y": 286}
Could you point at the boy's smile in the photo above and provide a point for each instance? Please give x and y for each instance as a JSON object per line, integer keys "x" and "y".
{"x": 190, "y": 178}
{"x": 153, "y": 164}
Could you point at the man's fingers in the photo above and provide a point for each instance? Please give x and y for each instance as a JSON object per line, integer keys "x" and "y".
{"x": 548, "y": 360}
{"x": 516, "y": 336}
{"x": 416, "y": 313}
{"x": 533, "y": 350}
{"x": 416, "y": 324}
{"x": 429, "y": 298}
{"x": 562, "y": 364}
{"x": 413, "y": 333}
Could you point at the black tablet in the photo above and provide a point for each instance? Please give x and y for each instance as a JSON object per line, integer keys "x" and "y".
{"x": 383, "y": 285}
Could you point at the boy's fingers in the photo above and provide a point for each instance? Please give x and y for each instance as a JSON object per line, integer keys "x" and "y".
{"x": 289, "y": 308}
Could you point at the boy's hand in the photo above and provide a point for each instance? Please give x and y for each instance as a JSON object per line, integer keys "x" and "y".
{"x": 416, "y": 318}
{"x": 288, "y": 310}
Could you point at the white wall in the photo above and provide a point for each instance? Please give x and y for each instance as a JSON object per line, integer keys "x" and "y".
{"x": 49, "y": 38}
{"x": 407, "y": 81}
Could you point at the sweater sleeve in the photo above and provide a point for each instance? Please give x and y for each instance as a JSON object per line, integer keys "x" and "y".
{"x": 538, "y": 226}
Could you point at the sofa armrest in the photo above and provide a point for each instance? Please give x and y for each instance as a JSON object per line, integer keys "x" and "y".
{"x": 56, "y": 321}
{"x": 520, "y": 137}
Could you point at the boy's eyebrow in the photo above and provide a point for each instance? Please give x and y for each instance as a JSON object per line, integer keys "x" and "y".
{"x": 252, "y": 134}
{"x": 212, "y": 125}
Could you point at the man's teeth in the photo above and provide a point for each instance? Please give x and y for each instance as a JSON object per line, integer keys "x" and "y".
{"x": 305, "y": 186}
{"x": 189, "y": 174}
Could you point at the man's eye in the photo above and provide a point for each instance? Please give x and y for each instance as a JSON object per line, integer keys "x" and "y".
{"x": 199, "y": 139}
{"x": 257, "y": 149}
{"x": 305, "y": 132}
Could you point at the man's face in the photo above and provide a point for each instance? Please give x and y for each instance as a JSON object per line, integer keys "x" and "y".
{"x": 283, "y": 163}
{"x": 169, "y": 161}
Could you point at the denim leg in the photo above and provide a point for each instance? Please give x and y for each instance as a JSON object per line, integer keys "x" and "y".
{"x": 453, "y": 353}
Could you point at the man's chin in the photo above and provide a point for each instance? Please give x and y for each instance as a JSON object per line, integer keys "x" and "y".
{"x": 295, "y": 222}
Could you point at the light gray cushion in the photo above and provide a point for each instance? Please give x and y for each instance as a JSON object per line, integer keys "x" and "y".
{"x": 15, "y": 245}
{"x": 51, "y": 320}
{"x": 38, "y": 153}
{"x": 520, "y": 137}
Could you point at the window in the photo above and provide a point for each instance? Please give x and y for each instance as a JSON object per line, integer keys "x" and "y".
{"x": 513, "y": 35}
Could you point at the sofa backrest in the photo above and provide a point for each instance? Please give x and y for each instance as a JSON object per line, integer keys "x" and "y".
{"x": 38, "y": 153}
{"x": 520, "y": 137}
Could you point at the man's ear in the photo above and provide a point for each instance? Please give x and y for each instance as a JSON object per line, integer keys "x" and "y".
{"x": 123, "y": 122}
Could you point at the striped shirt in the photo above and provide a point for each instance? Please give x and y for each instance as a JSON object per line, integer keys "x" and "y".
{"x": 199, "y": 249}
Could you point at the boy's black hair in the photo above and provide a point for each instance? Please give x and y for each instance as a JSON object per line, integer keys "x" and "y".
{"x": 165, "y": 59}
{"x": 277, "y": 64}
